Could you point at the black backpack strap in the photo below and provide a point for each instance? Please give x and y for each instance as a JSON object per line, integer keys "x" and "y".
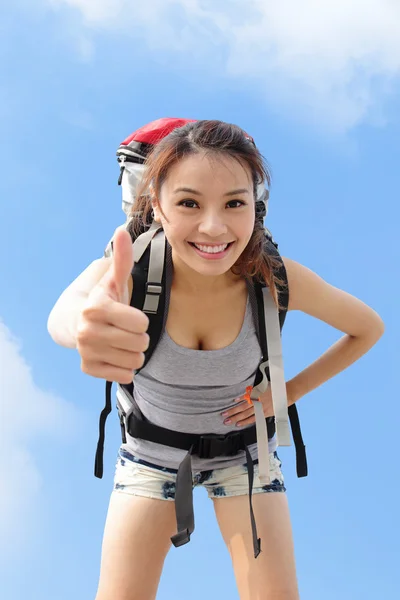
{"x": 98, "y": 462}
{"x": 281, "y": 275}
{"x": 149, "y": 296}
{"x": 203, "y": 445}
{"x": 283, "y": 296}
{"x": 301, "y": 456}
{"x": 145, "y": 291}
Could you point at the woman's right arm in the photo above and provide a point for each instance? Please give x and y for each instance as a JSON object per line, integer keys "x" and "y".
{"x": 63, "y": 319}
{"x": 94, "y": 316}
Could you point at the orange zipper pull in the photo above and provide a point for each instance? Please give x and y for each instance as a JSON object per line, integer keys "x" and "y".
{"x": 247, "y": 395}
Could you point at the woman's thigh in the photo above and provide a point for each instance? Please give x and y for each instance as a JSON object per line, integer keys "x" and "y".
{"x": 272, "y": 575}
{"x": 139, "y": 525}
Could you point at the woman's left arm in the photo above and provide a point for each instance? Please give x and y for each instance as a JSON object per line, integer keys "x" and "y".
{"x": 310, "y": 294}
{"x": 361, "y": 325}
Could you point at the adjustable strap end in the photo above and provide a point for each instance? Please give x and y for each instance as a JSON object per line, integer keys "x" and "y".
{"x": 98, "y": 466}
{"x": 301, "y": 462}
{"x": 257, "y": 548}
{"x": 181, "y": 538}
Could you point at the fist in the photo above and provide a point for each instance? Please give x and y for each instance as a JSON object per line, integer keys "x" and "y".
{"x": 111, "y": 334}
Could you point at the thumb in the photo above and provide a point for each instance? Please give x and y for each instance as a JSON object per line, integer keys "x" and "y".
{"x": 121, "y": 268}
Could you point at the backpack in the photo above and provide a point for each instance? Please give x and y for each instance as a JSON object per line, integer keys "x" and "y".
{"x": 152, "y": 275}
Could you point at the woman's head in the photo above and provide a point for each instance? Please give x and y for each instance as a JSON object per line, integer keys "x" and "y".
{"x": 203, "y": 181}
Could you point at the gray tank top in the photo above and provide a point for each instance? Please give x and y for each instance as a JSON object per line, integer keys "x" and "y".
{"x": 187, "y": 390}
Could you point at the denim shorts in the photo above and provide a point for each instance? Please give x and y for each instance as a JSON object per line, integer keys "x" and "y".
{"x": 140, "y": 478}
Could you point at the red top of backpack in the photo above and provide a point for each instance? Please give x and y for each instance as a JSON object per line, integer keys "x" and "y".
{"x": 156, "y": 130}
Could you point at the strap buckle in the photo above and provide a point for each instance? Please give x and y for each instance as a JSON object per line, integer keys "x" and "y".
{"x": 181, "y": 538}
{"x": 212, "y": 445}
{"x": 153, "y": 288}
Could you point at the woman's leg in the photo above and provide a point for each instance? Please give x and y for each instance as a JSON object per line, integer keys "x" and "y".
{"x": 139, "y": 525}
{"x": 272, "y": 575}
{"x": 136, "y": 541}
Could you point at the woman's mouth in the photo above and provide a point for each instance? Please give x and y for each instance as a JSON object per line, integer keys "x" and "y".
{"x": 211, "y": 252}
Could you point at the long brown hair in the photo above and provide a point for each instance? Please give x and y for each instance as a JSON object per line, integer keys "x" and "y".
{"x": 216, "y": 138}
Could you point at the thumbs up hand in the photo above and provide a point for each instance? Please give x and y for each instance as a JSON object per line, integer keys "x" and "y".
{"x": 115, "y": 281}
{"x": 111, "y": 334}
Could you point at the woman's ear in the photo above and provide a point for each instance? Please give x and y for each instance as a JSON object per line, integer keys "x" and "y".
{"x": 156, "y": 209}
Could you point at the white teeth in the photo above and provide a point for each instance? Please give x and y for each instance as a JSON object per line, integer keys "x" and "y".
{"x": 212, "y": 249}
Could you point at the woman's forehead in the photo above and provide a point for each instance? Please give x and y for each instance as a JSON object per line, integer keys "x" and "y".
{"x": 202, "y": 171}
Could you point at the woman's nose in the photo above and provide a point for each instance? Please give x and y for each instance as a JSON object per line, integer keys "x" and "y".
{"x": 213, "y": 226}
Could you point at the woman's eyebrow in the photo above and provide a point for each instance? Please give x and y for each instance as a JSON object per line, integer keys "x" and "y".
{"x": 191, "y": 191}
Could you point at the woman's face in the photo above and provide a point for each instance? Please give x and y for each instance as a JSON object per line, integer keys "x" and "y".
{"x": 209, "y": 206}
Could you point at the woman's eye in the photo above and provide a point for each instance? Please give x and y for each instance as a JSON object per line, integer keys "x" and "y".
{"x": 188, "y": 203}
{"x": 193, "y": 203}
{"x": 237, "y": 202}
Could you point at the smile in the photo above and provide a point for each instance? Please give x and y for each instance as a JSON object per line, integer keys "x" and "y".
{"x": 211, "y": 250}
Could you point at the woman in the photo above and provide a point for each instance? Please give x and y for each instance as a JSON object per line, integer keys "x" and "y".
{"x": 200, "y": 184}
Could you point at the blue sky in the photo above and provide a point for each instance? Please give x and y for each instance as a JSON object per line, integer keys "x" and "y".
{"x": 319, "y": 92}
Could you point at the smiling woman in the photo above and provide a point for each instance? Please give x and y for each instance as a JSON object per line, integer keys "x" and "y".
{"x": 220, "y": 166}
{"x": 206, "y": 281}
{"x": 212, "y": 226}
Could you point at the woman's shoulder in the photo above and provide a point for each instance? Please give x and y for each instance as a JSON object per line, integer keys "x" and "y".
{"x": 311, "y": 294}
{"x": 306, "y": 288}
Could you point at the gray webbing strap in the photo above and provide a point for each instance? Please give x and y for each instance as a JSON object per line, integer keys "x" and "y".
{"x": 261, "y": 426}
{"x": 275, "y": 360}
{"x": 264, "y": 383}
{"x": 123, "y": 401}
{"x": 278, "y": 389}
{"x": 141, "y": 243}
{"x": 155, "y": 274}
{"x": 262, "y": 444}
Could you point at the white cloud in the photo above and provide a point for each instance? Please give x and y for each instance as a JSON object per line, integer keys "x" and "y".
{"x": 329, "y": 61}
{"x": 27, "y": 413}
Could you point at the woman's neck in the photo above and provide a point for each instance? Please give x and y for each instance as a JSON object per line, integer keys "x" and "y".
{"x": 188, "y": 280}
